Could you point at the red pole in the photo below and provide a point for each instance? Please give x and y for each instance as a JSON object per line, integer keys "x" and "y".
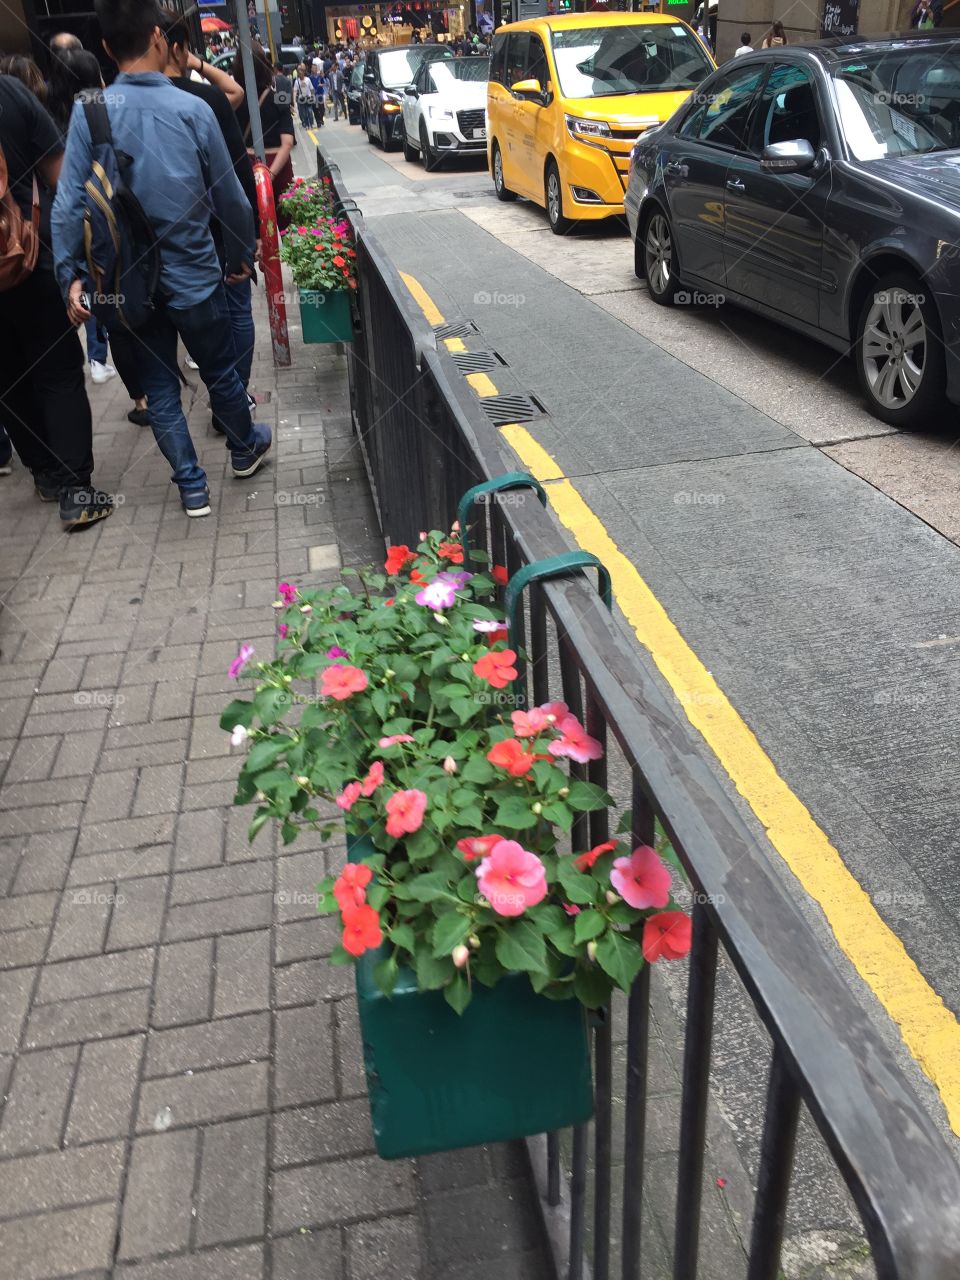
{"x": 270, "y": 256}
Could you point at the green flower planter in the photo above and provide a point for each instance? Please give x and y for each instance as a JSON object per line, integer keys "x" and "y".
{"x": 325, "y": 315}
{"x": 514, "y": 1063}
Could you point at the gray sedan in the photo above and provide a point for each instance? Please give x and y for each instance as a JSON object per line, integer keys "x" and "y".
{"x": 820, "y": 186}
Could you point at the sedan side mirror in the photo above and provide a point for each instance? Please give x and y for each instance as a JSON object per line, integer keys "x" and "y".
{"x": 796, "y": 156}
{"x": 412, "y": 90}
{"x": 526, "y": 89}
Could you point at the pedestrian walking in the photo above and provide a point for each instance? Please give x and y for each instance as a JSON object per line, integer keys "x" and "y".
{"x": 335, "y": 80}
{"x": 277, "y": 123}
{"x": 176, "y": 185}
{"x": 219, "y": 90}
{"x": 775, "y": 37}
{"x": 319, "y": 95}
{"x": 304, "y": 96}
{"x": 744, "y": 46}
{"x": 43, "y": 401}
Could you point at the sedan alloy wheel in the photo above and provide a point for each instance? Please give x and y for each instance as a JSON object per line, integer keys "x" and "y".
{"x": 899, "y": 352}
{"x": 658, "y": 258}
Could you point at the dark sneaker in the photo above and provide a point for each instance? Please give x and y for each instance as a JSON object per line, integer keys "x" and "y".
{"x": 196, "y": 503}
{"x": 139, "y": 417}
{"x": 46, "y": 487}
{"x": 245, "y": 464}
{"x": 82, "y": 507}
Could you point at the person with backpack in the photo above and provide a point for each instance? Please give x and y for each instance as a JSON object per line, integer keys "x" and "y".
{"x": 43, "y": 400}
{"x": 304, "y": 96}
{"x": 144, "y": 165}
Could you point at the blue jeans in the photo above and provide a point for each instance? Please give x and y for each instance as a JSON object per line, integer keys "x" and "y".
{"x": 96, "y": 345}
{"x": 240, "y": 305}
{"x": 208, "y": 336}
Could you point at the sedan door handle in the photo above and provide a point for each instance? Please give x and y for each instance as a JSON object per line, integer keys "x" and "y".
{"x": 734, "y": 184}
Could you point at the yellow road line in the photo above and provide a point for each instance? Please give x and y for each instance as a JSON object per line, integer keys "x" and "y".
{"x": 316, "y": 140}
{"x": 455, "y": 344}
{"x": 929, "y": 1029}
{"x": 426, "y": 303}
{"x": 481, "y": 384}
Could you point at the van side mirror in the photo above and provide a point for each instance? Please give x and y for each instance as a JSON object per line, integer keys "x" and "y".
{"x": 526, "y": 89}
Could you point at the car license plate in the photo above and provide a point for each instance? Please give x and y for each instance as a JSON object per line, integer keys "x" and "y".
{"x": 479, "y": 133}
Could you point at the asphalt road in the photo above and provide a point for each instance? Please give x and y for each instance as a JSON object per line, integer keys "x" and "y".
{"x": 805, "y": 552}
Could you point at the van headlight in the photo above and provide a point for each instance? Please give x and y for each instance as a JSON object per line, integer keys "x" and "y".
{"x": 587, "y": 128}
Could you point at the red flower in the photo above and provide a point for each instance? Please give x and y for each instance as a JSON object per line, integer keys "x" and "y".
{"x": 416, "y": 576}
{"x": 349, "y": 888}
{"x": 496, "y": 668}
{"x": 405, "y": 810}
{"x": 499, "y": 574}
{"x": 668, "y": 934}
{"x": 373, "y": 779}
{"x": 340, "y": 682}
{"x": 361, "y": 930}
{"x": 511, "y": 756}
{"x": 397, "y": 557}
{"x": 584, "y": 861}
{"x": 477, "y": 846}
{"x": 338, "y": 261}
{"x": 451, "y": 551}
{"x": 570, "y": 909}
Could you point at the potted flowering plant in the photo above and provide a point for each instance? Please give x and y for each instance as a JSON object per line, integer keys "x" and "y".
{"x": 480, "y": 936}
{"x": 305, "y": 201}
{"x": 322, "y": 260}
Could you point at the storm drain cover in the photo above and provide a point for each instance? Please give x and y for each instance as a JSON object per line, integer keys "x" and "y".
{"x": 477, "y": 361}
{"x": 511, "y": 408}
{"x": 458, "y": 329}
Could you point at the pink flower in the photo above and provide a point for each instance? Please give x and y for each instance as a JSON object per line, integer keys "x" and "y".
{"x": 559, "y": 710}
{"x": 349, "y": 796}
{"x": 576, "y": 743}
{"x": 527, "y": 724}
{"x": 487, "y": 626}
{"x": 570, "y": 909}
{"x": 288, "y": 592}
{"x": 282, "y": 630}
{"x": 240, "y": 661}
{"x": 642, "y": 880}
{"x": 512, "y": 878}
{"x": 337, "y": 652}
{"x": 340, "y": 682}
{"x": 373, "y": 779}
{"x": 441, "y": 593}
{"x": 405, "y": 810}
{"x": 392, "y": 739}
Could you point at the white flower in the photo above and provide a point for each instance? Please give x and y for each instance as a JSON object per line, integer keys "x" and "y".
{"x": 239, "y": 736}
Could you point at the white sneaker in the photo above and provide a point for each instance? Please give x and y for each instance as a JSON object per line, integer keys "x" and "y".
{"x": 101, "y": 372}
{"x": 191, "y": 363}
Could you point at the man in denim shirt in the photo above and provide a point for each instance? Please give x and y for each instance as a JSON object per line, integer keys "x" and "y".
{"x": 181, "y": 172}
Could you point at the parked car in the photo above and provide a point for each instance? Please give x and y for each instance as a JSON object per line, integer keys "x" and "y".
{"x": 568, "y": 97}
{"x": 820, "y": 186}
{"x": 387, "y": 72}
{"x": 445, "y": 109}
{"x": 355, "y": 95}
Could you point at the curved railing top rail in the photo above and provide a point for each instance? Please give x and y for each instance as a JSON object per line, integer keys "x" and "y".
{"x": 899, "y": 1168}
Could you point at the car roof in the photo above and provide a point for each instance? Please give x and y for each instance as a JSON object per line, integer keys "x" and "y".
{"x": 839, "y": 48}
{"x": 581, "y": 21}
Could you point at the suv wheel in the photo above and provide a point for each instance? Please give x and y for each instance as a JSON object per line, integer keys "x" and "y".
{"x": 559, "y": 225}
{"x": 503, "y": 192}
{"x": 409, "y": 153}
{"x": 430, "y": 157}
{"x": 655, "y": 244}
{"x": 899, "y": 352}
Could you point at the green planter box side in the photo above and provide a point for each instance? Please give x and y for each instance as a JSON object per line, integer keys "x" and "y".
{"x": 325, "y": 316}
{"x": 513, "y": 1064}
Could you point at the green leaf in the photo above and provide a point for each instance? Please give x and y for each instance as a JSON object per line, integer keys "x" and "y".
{"x": 421, "y": 845}
{"x": 587, "y": 925}
{"x": 450, "y": 930}
{"x": 586, "y": 796}
{"x": 621, "y": 957}
{"x": 272, "y": 705}
{"x": 429, "y": 887}
{"x": 625, "y": 823}
{"x": 402, "y": 935}
{"x": 464, "y": 708}
{"x": 385, "y": 974}
{"x": 257, "y": 824}
{"x": 592, "y": 987}
{"x": 479, "y": 770}
{"x": 471, "y": 818}
{"x": 578, "y": 887}
{"x": 338, "y": 956}
{"x": 457, "y": 993}
{"x": 381, "y": 701}
{"x": 432, "y": 973}
{"x": 564, "y": 940}
{"x": 515, "y": 812}
{"x": 237, "y": 712}
{"x": 378, "y": 895}
{"x": 521, "y": 946}
{"x": 560, "y": 814}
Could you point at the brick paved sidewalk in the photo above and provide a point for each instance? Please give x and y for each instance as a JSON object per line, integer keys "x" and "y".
{"x": 181, "y": 1094}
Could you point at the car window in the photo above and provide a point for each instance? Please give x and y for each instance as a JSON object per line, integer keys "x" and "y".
{"x": 724, "y": 109}
{"x": 499, "y": 60}
{"x": 900, "y": 101}
{"x": 788, "y": 109}
{"x": 429, "y": 84}
{"x": 536, "y": 68}
{"x": 516, "y": 67}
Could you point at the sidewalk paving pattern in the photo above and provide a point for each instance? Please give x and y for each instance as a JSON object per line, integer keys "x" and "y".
{"x": 181, "y": 1087}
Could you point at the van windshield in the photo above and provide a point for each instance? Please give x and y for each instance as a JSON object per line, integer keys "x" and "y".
{"x": 600, "y": 62}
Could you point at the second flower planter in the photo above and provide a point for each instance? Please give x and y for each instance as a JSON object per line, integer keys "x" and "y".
{"x": 325, "y": 315}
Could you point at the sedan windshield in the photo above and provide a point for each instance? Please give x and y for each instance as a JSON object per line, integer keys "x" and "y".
{"x": 476, "y": 70}
{"x": 600, "y": 62}
{"x": 399, "y": 66}
{"x": 900, "y": 102}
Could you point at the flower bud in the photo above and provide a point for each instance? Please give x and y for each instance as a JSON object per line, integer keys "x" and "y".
{"x": 449, "y": 765}
{"x": 288, "y": 679}
{"x": 306, "y": 608}
{"x": 563, "y": 792}
{"x": 612, "y": 898}
{"x": 474, "y": 941}
{"x": 389, "y": 674}
{"x": 423, "y": 535}
{"x": 537, "y": 808}
{"x": 465, "y": 657}
{"x": 460, "y": 955}
{"x": 444, "y": 622}
{"x": 302, "y": 780}
{"x": 278, "y": 604}
{"x": 592, "y": 950}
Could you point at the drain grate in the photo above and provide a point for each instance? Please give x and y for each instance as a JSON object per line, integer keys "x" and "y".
{"x": 477, "y": 361}
{"x": 511, "y": 408}
{"x": 458, "y": 329}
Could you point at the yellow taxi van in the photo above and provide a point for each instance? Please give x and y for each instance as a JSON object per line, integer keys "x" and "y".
{"x": 570, "y": 95}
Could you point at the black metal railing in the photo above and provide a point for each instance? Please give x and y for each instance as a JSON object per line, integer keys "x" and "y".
{"x": 426, "y": 441}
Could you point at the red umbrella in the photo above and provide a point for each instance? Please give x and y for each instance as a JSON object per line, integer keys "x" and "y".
{"x": 209, "y": 25}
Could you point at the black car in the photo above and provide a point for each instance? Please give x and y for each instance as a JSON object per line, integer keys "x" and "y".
{"x": 386, "y": 74}
{"x": 354, "y": 93}
{"x": 820, "y": 186}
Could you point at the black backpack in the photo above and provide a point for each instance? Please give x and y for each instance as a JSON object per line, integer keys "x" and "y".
{"x": 120, "y": 244}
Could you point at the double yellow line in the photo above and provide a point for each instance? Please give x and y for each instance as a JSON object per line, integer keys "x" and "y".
{"x": 929, "y": 1029}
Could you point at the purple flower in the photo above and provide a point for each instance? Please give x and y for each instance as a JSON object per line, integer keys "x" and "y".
{"x": 336, "y": 652}
{"x": 241, "y": 660}
{"x": 282, "y": 630}
{"x": 441, "y": 593}
{"x": 288, "y": 592}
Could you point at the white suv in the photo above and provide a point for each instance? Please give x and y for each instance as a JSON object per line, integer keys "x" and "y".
{"x": 445, "y": 110}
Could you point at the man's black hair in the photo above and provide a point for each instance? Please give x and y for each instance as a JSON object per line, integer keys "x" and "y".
{"x": 174, "y": 27}
{"x": 127, "y": 25}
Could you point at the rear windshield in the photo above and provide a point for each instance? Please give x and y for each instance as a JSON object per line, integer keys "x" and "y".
{"x": 601, "y": 62}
